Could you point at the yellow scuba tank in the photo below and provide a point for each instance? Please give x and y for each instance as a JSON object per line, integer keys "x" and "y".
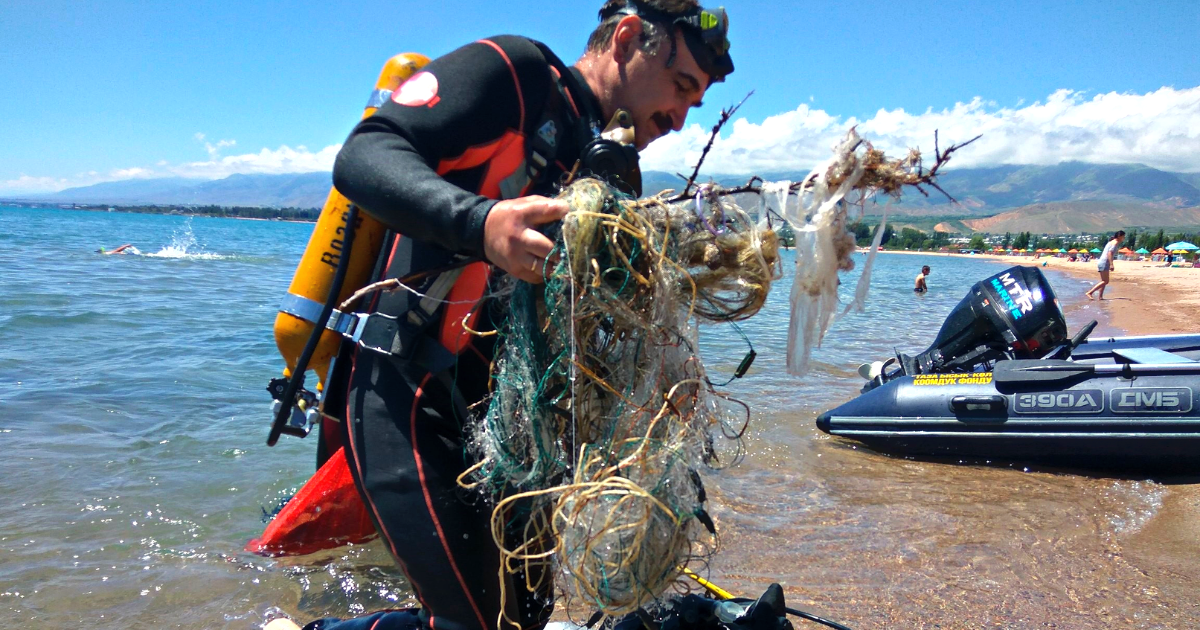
{"x": 315, "y": 274}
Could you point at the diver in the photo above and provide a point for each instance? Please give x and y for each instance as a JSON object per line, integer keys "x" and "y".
{"x": 458, "y": 161}
{"x": 919, "y": 285}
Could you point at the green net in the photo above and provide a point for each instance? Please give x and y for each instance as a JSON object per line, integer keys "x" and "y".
{"x": 601, "y": 410}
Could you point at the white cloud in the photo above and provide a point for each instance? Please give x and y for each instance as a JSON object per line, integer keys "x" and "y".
{"x": 132, "y": 173}
{"x": 1160, "y": 129}
{"x": 285, "y": 159}
{"x": 267, "y": 161}
{"x": 26, "y": 184}
{"x": 215, "y": 149}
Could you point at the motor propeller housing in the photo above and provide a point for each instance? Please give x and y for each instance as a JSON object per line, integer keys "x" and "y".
{"x": 1011, "y": 315}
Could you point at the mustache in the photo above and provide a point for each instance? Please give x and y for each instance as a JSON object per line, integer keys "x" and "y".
{"x": 663, "y": 121}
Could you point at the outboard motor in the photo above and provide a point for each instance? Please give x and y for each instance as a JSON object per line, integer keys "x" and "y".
{"x": 1011, "y": 315}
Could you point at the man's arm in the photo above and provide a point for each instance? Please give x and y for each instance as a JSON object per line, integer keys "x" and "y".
{"x": 474, "y": 104}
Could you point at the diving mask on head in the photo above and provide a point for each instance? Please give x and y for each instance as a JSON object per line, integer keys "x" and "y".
{"x": 705, "y": 31}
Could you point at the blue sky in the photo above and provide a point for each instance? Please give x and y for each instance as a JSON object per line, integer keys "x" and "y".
{"x": 94, "y": 91}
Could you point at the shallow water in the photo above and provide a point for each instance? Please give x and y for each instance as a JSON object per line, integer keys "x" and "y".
{"x": 134, "y": 416}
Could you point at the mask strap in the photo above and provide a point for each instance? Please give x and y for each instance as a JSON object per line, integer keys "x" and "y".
{"x": 674, "y": 46}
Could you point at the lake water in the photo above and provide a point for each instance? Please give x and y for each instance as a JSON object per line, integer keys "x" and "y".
{"x": 133, "y": 418}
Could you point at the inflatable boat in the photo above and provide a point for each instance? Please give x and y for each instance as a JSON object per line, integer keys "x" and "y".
{"x": 1003, "y": 382}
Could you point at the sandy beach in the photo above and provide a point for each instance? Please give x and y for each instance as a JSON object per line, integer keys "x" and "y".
{"x": 1142, "y": 298}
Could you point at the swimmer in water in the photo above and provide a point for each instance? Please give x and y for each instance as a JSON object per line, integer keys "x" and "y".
{"x": 919, "y": 283}
{"x": 127, "y": 248}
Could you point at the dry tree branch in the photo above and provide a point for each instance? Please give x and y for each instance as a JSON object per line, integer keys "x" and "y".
{"x": 883, "y": 175}
{"x": 942, "y": 158}
{"x": 726, "y": 114}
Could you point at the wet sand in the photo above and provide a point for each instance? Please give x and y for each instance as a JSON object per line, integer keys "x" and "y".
{"x": 1146, "y": 298}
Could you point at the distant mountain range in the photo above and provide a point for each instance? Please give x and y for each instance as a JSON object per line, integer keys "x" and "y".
{"x": 987, "y": 191}
{"x": 301, "y": 190}
{"x": 1068, "y": 197}
{"x": 1074, "y": 217}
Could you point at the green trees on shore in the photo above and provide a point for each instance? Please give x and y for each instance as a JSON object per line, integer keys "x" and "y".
{"x": 913, "y": 239}
{"x": 907, "y": 238}
{"x": 1153, "y": 240}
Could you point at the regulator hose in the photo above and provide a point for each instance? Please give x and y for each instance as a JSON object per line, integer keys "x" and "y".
{"x": 811, "y": 617}
{"x": 296, "y": 382}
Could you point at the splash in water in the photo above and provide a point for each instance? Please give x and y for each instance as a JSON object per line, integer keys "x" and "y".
{"x": 184, "y": 245}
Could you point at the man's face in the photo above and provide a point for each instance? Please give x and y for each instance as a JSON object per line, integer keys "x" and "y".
{"x": 657, "y": 97}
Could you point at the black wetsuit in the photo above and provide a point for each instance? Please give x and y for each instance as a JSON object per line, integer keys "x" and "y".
{"x": 430, "y": 164}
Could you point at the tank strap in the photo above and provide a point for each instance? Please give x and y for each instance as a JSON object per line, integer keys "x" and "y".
{"x": 310, "y": 310}
{"x": 406, "y": 337}
{"x": 395, "y": 337}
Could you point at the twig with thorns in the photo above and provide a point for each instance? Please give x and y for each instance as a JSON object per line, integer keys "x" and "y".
{"x": 882, "y": 175}
{"x": 726, "y": 114}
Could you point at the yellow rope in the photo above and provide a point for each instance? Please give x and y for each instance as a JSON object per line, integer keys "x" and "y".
{"x": 708, "y": 586}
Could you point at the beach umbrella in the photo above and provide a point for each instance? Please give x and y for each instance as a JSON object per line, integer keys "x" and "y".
{"x": 1096, "y": 250}
{"x": 1182, "y": 245}
{"x": 1058, "y": 250}
{"x": 1124, "y": 250}
{"x": 1072, "y": 251}
{"x": 1142, "y": 250}
{"x": 1159, "y": 251}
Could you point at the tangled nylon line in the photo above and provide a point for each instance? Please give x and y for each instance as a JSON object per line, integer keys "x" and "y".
{"x": 601, "y": 413}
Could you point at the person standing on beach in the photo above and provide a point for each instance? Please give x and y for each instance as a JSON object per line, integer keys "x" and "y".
{"x": 1106, "y": 264}
{"x": 919, "y": 284}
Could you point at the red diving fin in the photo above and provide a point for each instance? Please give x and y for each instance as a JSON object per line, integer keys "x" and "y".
{"x": 326, "y": 513}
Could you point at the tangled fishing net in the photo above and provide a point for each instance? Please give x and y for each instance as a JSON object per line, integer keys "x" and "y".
{"x": 602, "y": 413}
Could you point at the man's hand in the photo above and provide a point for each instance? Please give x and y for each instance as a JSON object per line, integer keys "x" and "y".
{"x": 511, "y": 240}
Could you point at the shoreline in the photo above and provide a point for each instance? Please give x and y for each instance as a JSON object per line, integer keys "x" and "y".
{"x": 1142, "y": 298}
{"x": 175, "y": 212}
